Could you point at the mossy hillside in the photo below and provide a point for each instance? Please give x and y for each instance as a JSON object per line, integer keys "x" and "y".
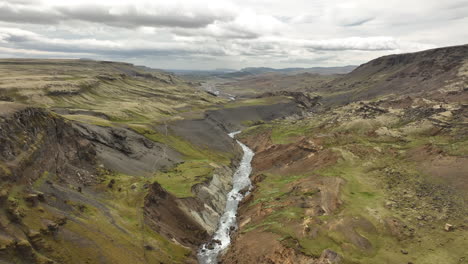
{"x": 274, "y": 188}
{"x": 368, "y": 165}
{"x": 126, "y": 198}
{"x": 132, "y": 100}
{"x": 98, "y": 229}
{"x": 90, "y": 120}
{"x": 361, "y": 198}
{"x": 180, "y": 180}
{"x": 4, "y": 169}
{"x": 283, "y": 131}
{"x": 123, "y": 92}
{"x": 197, "y": 168}
{"x": 258, "y": 101}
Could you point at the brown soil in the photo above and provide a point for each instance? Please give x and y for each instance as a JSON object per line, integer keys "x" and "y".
{"x": 298, "y": 157}
{"x": 450, "y": 170}
{"x": 262, "y": 247}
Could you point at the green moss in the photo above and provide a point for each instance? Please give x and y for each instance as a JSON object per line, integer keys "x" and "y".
{"x": 250, "y": 123}
{"x": 115, "y": 231}
{"x": 273, "y": 187}
{"x": 125, "y": 99}
{"x": 255, "y": 130}
{"x": 258, "y": 101}
{"x": 5, "y": 169}
{"x": 456, "y": 148}
{"x": 39, "y": 182}
{"x": 90, "y": 120}
{"x": 179, "y": 180}
{"x": 288, "y": 132}
{"x": 363, "y": 194}
{"x": 282, "y": 132}
{"x": 315, "y": 246}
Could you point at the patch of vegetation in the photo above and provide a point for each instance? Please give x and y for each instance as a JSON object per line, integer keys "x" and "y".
{"x": 90, "y": 120}
{"x": 179, "y": 180}
{"x": 102, "y": 227}
{"x": 381, "y": 183}
{"x": 5, "y": 169}
{"x": 273, "y": 187}
{"x": 250, "y": 123}
{"x": 287, "y": 132}
{"x": 258, "y": 101}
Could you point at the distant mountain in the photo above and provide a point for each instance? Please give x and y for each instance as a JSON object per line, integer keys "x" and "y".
{"x": 423, "y": 71}
{"x": 149, "y": 69}
{"x": 202, "y": 72}
{"x": 318, "y": 70}
{"x": 250, "y": 71}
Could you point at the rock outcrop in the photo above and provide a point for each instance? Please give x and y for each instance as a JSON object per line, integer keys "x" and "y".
{"x": 34, "y": 141}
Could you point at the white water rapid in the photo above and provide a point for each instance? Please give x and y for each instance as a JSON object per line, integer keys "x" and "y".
{"x": 209, "y": 252}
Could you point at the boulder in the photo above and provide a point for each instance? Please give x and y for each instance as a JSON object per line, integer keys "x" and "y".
{"x": 448, "y": 227}
{"x": 32, "y": 199}
{"x": 329, "y": 256}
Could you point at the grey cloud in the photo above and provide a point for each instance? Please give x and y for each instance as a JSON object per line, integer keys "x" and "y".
{"x": 351, "y": 43}
{"x": 457, "y": 5}
{"x": 225, "y": 32}
{"x": 229, "y": 31}
{"x": 23, "y": 2}
{"x": 313, "y": 60}
{"x": 359, "y": 22}
{"x": 9, "y": 13}
{"x": 130, "y": 17}
{"x": 369, "y": 44}
{"x": 27, "y": 40}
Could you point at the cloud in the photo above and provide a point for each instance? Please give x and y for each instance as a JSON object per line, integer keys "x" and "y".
{"x": 123, "y": 48}
{"x": 247, "y": 25}
{"x": 27, "y": 14}
{"x": 14, "y": 52}
{"x": 295, "y": 50}
{"x": 354, "y": 43}
{"x": 145, "y": 13}
{"x": 228, "y": 33}
{"x": 358, "y": 22}
{"x": 15, "y": 35}
{"x": 351, "y": 43}
{"x": 149, "y": 15}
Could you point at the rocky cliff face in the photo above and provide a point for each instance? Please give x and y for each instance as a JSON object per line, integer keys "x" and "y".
{"x": 211, "y": 198}
{"x": 34, "y": 141}
{"x": 162, "y": 213}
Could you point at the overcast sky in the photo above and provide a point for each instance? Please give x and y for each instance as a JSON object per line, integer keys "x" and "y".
{"x": 208, "y": 34}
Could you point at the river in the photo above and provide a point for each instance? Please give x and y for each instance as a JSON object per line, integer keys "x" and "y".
{"x": 209, "y": 252}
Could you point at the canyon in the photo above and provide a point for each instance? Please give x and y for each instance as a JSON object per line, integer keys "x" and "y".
{"x": 106, "y": 162}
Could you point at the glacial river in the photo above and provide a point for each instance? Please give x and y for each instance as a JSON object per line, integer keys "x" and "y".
{"x": 209, "y": 252}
